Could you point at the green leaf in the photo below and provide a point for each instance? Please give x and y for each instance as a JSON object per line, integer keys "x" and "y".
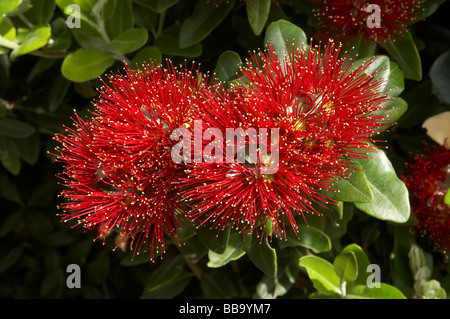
{"x": 11, "y": 163}
{"x": 150, "y": 54}
{"x": 346, "y": 266}
{"x": 129, "y": 40}
{"x": 41, "y": 11}
{"x": 34, "y": 40}
{"x": 164, "y": 274}
{"x": 87, "y": 5}
{"x": 261, "y": 254}
{"x": 159, "y": 5}
{"x": 384, "y": 292}
{"x": 84, "y": 65}
{"x": 257, "y": 13}
{"x": 391, "y": 198}
{"x": 213, "y": 239}
{"x": 360, "y": 48}
{"x": 447, "y": 197}
{"x": 283, "y": 35}
{"x": 58, "y": 92}
{"x": 322, "y": 274}
{"x": 7, "y": 29}
{"x": 171, "y": 289}
{"x": 217, "y": 285}
{"x": 227, "y": 66}
{"x": 440, "y": 77}
{"x": 362, "y": 263}
{"x": 169, "y": 44}
{"x": 29, "y": 148}
{"x": 396, "y": 108}
{"x": 352, "y": 189}
{"x": 133, "y": 258}
{"x": 233, "y": 251}
{"x": 405, "y": 53}
{"x": 117, "y": 16}
{"x": 309, "y": 237}
{"x": 205, "y": 18}
{"x": 15, "y": 128}
{"x": 8, "y": 5}
{"x": 288, "y": 269}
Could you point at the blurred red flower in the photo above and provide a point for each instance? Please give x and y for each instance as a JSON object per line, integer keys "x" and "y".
{"x": 427, "y": 177}
{"x": 343, "y": 20}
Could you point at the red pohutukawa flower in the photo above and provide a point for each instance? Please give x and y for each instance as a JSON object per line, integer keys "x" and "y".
{"x": 303, "y": 121}
{"x": 118, "y": 170}
{"x": 427, "y": 177}
{"x": 376, "y": 20}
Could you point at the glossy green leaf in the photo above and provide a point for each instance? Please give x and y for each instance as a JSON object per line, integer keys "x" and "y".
{"x": 346, "y": 266}
{"x": 384, "y": 292}
{"x": 61, "y": 38}
{"x": 10, "y": 258}
{"x": 84, "y": 65}
{"x": 168, "y": 43}
{"x": 257, "y": 13}
{"x": 233, "y": 251}
{"x": 227, "y": 66}
{"x": 352, "y": 189}
{"x": 405, "y": 53}
{"x": 15, "y": 128}
{"x": 283, "y": 35}
{"x": 309, "y": 237}
{"x": 391, "y": 198}
{"x": 34, "y": 40}
{"x": 129, "y": 40}
{"x": 8, "y": 5}
{"x": 213, "y": 239}
{"x": 133, "y": 258}
{"x": 362, "y": 263}
{"x": 7, "y": 29}
{"x": 204, "y": 19}
{"x": 440, "y": 77}
{"x": 322, "y": 274}
{"x": 261, "y": 254}
{"x": 395, "y": 109}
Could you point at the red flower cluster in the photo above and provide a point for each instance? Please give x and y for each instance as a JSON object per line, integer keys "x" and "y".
{"x": 343, "y": 20}
{"x": 118, "y": 169}
{"x": 119, "y": 173}
{"x": 324, "y": 113}
{"x": 427, "y": 177}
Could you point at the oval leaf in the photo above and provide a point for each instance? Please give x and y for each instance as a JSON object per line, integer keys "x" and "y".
{"x": 257, "y": 13}
{"x": 346, "y": 266}
{"x": 322, "y": 274}
{"x": 35, "y": 39}
{"x": 84, "y": 65}
{"x": 384, "y": 292}
{"x": 282, "y": 35}
{"x": 129, "y": 40}
{"x": 227, "y": 66}
{"x": 440, "y": 77}
{"x": 15, "y": 128}
{"x": 391, "y": 199}
{"x": 205, "y": 18}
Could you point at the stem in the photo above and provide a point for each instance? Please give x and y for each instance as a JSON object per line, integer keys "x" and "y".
{"x": 25, "y": 20}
